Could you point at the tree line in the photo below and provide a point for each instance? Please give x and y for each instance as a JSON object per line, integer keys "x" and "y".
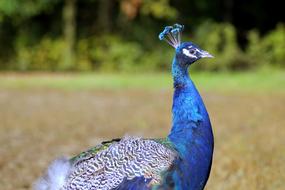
{"x": 121, "y": 35}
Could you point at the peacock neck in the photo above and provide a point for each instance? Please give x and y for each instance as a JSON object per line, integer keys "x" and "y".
{"x": 180, "y": 74}
{"x": 191, "y": 132}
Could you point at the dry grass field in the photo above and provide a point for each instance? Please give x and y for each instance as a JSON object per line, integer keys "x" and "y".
{"x": 38, "y": 125}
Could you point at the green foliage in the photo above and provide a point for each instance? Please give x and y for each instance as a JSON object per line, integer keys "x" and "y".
{"x": 158, "y": 9}
{"x": 121, "y": 36}
{"x": 158, "y": 59}
{"x": 47, "y": 55}
{"x": 269, "y": 50}
{"x": 112, "y": 53}
{"x": 221, "y": 42}
{"x": 18, "y": 9}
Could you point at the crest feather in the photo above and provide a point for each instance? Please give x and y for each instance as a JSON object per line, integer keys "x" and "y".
{"x": 172, "y": 35}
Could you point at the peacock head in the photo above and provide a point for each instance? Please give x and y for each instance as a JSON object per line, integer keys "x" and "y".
{"x": 186, "y": 52}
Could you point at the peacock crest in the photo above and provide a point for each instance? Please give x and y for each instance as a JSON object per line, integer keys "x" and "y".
{"x": 172, "y": 35}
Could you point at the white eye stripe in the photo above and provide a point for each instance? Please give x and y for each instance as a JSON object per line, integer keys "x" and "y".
{"x": 187, "y": 53}
{"x": 198, "y": 51}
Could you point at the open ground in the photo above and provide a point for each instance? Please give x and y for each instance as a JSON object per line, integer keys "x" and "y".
{"x": 44, "y": 116}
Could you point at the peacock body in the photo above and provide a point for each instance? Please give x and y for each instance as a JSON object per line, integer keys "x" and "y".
{"x": 180, "y": 161}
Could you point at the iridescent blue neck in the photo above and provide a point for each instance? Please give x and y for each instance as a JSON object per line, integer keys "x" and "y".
{"x": 191, "y": 132}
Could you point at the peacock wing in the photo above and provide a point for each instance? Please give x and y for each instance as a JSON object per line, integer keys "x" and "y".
{"x": 121, "y": 164}
{"x": 92, "y": 151}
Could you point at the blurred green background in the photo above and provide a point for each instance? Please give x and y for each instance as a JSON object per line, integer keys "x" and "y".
{"x": 75, "y": 73}
{"x": 121, "y": 35}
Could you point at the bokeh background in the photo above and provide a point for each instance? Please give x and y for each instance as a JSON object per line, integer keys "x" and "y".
{"x": 74, "y": 73}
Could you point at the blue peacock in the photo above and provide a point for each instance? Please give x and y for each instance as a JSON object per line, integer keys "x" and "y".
{"x": 181, "y": 161}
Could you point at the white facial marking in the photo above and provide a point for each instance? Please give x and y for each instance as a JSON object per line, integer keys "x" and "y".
{"x": 188, "y": 54}
{"x": 198, "y": 51}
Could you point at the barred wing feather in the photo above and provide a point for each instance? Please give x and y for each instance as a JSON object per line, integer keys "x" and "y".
{"x": 130, "y": 161}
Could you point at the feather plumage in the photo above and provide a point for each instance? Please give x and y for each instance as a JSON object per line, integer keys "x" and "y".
{"x": 122, "y": 161}
{"x": 55, "y": 176}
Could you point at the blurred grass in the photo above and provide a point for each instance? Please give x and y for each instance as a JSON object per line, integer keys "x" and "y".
{"x": 260, "y": 81}
{"x": 46, "y": 115}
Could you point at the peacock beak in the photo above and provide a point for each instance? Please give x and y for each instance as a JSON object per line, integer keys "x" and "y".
{"x": 206, "y": 54}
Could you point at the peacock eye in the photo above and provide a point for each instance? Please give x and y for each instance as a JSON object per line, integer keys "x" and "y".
{"x": 192, "y": 51}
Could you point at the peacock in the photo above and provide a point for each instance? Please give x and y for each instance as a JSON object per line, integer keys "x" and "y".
{"x": 180, "y": 161}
